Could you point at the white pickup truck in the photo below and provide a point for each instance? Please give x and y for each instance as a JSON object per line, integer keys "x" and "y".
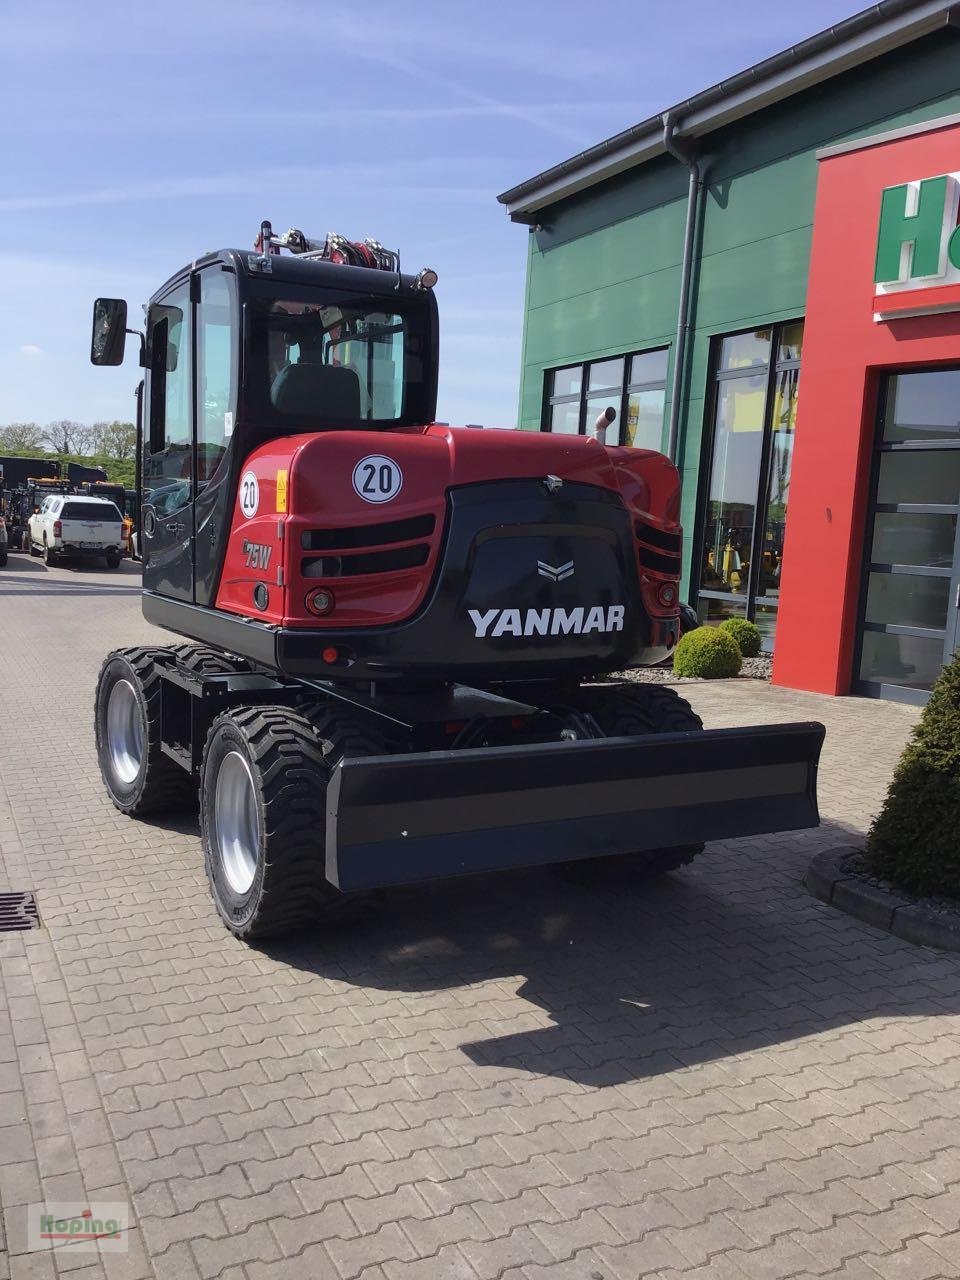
{"x": 69, "y": 525}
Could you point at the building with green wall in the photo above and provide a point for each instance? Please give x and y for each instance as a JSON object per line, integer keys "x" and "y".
{"x": 607, "y": 234}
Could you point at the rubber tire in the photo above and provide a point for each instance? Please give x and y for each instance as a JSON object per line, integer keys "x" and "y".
{"x": 49, "y": 555}
{"x": 161, "y": 784}
{"x": 202, "y": 660}
{"x": 626, "y": 711}
{"x": 113, "y": 560}
{"x": 290, "y": 752}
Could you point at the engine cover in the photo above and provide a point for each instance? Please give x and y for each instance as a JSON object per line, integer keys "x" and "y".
{"x": 418, "y": 553}
{"x": 528, "y": 585}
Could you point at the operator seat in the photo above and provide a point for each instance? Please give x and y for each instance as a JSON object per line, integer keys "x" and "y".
{"x": 323, "y": 390}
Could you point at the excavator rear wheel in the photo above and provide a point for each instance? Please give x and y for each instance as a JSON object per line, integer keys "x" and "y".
{"x": 263, "y": 816}
{"x": 138, "y": 776}
{"x": 613, "y": 711}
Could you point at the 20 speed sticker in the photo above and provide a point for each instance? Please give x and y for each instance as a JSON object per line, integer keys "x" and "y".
{"x": 377, "y": 479}
{"x": 249, "y": 494}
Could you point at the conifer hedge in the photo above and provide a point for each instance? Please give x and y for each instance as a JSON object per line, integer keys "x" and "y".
{"x": 915, "y": 840}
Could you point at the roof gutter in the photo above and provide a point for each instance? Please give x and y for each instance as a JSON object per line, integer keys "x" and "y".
{"x": 876, "y": 30}
{"x": 687, "y": 152}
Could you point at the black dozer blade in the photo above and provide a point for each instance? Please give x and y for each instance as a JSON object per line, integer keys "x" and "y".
{"x": 405, "y": 818}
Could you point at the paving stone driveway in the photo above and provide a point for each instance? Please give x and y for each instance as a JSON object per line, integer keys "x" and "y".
{"x": 519, "y": 1076}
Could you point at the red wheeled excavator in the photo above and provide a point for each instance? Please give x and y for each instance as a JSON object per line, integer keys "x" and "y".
{"x": 400, "y": 633}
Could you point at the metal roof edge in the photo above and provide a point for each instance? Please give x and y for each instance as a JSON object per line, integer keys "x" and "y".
{"x": 884, "y": 26}
{"x": 891, "y": 135}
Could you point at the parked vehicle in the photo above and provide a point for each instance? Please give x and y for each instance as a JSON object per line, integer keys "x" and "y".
{"x": 80, "y": 476}
{"x": 25, "y": 482}
{"x": 68, "y": 525}
{"x": 115, "y": 493}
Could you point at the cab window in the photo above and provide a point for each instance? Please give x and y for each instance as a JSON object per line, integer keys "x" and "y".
{"x": 168, "y": 466}
{"x": 216, "y": 366}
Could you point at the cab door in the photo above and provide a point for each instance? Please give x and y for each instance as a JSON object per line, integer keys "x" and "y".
{"x": 168, "y": 480}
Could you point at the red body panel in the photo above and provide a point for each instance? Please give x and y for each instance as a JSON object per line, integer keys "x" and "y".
{"x": 845, "y": 353}
{"x": 320, "y": 495}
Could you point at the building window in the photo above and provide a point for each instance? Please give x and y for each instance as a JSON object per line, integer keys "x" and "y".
{"x": 756, "y": 376}
{"x": 634, "y": 385}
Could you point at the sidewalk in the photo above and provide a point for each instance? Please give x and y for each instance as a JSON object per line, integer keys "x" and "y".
{"x": 514, "y": 1078}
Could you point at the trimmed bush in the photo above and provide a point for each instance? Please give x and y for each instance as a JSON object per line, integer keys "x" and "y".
{"x": 746, "y": 634}
{"x": 915, "y": 841}
{"x": 707, "y": 652}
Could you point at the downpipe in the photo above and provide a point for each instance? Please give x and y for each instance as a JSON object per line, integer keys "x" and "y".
{"x": 684, "y": 150}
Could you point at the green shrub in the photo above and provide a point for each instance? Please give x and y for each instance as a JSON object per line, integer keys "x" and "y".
{"x": 915, "y": 841}
{"x": 707, "y": 652}
{"x": 746, "y": 634}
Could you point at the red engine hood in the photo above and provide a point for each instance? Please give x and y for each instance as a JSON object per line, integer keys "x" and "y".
{"x": 300, "y": 494}
{"x": 434, "y": 459}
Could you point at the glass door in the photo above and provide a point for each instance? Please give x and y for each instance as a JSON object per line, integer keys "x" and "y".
{"x": 756, "y": 378}
{"x": 910, "y": 619}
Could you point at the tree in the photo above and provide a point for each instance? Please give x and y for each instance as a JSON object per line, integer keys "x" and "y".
{"x": 21, "y": 437}
{"x": 116, "y": 439}
{"x": 913, "y": 841}
{"x": 65, "y": 436}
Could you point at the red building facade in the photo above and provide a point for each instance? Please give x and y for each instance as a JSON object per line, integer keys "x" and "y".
{"x": 871, "y": 568}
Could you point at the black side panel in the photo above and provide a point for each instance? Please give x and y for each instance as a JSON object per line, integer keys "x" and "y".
{"x": 222, "y": 630}
{"x": 214, "y": 508}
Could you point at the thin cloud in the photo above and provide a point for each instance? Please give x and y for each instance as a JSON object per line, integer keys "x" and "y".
{"x": 426, "y": 42}
{"x": 28, "y": 349}
{"x": 203, "y": 121}
{"x": 527, "y": 114}
{"x": 242, "y": 183}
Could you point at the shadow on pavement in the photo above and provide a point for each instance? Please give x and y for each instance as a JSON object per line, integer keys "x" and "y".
{"x": 29, "y": 576}
{"x": 635, "y": 978}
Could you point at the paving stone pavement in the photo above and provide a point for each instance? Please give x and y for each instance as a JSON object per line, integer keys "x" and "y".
{"x": 520, "y": 1077}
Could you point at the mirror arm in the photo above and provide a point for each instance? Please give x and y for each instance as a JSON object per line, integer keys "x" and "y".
{"x": 143, "y": 345}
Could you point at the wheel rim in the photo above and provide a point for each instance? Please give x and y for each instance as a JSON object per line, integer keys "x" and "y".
{"x": 124, "y": 732}
{"x": 236, "y": 825}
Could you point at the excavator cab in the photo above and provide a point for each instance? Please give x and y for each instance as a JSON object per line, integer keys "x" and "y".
{"x": 241, "y": 348}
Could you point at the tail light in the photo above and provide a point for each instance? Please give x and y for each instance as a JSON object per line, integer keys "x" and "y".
{"x": 320, "y": 602}
{"x": 57, "y": 529}
{"x": 659, "y": 560}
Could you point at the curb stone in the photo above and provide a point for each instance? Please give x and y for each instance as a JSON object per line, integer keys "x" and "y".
{"x": 830, "y": 879}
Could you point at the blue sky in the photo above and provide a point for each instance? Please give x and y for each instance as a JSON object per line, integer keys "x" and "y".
{"x": 136, "y": 137}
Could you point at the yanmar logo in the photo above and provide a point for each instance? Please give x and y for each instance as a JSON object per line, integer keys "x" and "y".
{"x": 490, "y": 623}
{"x": 558, "y": 574}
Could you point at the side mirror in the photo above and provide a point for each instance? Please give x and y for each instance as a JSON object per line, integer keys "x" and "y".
{"x": 109, "y": 331}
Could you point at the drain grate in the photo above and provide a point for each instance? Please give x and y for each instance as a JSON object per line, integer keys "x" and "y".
{"x": 18, "y": 911}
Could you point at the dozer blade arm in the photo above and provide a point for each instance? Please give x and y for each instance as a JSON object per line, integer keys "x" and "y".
{"x": 404, "y": 818}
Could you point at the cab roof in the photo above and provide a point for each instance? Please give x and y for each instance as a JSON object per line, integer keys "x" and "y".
{"x": 288, "y": 268}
